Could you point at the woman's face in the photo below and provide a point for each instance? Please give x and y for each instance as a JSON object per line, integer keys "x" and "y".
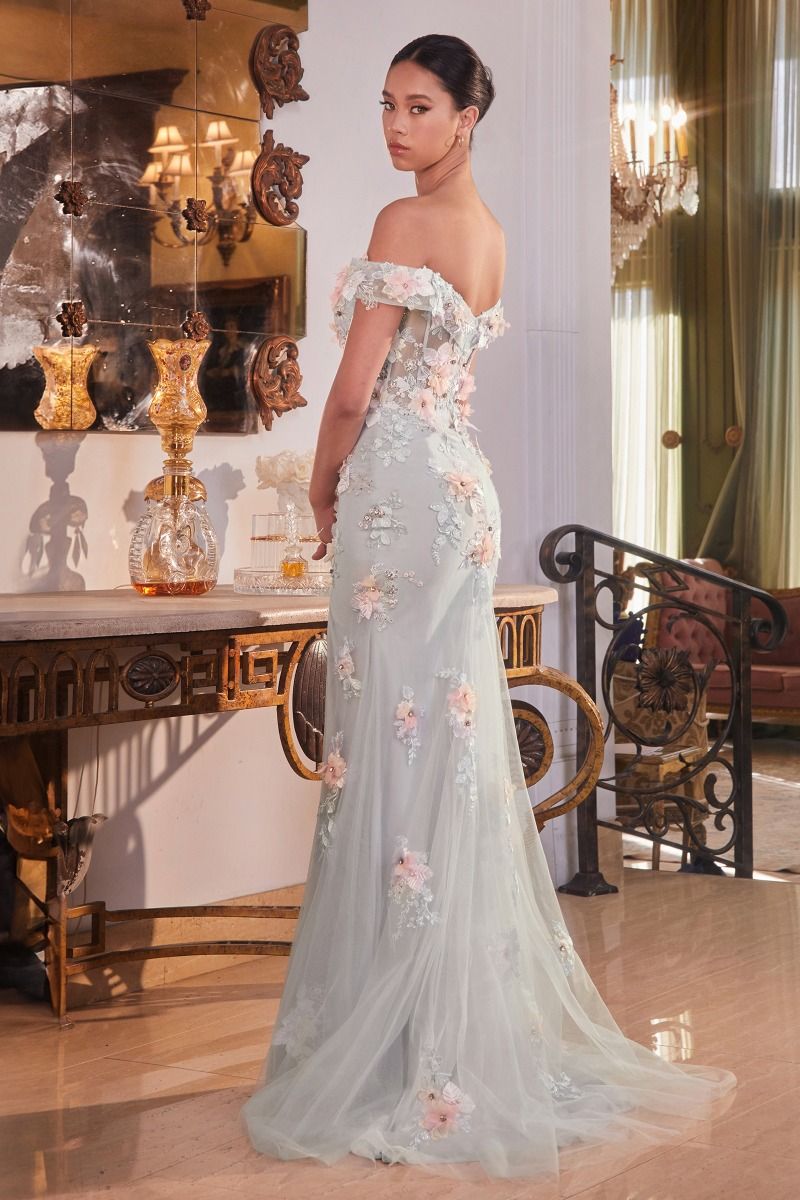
{"x": 420, "y": 116}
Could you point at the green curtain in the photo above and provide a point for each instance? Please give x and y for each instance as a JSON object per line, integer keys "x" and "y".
{"x": 755, "y": 524}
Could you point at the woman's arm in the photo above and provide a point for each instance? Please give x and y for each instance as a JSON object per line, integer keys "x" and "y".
{"x": 395, "y": 238}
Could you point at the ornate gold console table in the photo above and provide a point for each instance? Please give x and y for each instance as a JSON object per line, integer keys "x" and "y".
{"x": 70, "y": 660}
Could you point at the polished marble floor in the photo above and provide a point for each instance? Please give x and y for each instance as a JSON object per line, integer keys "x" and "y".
{"x": 140, "y": 1099}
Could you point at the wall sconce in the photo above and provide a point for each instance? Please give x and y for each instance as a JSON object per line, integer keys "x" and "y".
{"x": 229, "y": 218}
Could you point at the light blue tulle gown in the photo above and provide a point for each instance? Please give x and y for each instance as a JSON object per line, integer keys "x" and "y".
{"x": 435, "y": 1011}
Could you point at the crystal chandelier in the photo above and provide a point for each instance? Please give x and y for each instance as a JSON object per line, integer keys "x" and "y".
{"x": 650, "y": 177}
{"x": 231, "y": 215}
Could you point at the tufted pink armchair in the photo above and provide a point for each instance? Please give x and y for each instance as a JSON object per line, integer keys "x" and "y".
{"x": 775, "y": 673}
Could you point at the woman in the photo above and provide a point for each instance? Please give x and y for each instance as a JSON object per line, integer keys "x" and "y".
{"x": 434, "y": 1010}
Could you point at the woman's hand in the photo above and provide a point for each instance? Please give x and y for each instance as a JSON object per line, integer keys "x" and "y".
{"x": 324, "y": 516}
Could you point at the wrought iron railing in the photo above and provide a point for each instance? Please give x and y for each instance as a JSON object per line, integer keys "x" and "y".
{"x": 672, "y": 767}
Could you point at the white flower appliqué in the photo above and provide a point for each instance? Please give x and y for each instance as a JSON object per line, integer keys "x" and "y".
{"x": 564, "y": 946}
{"x": 406, "y": 722}
{"x": 299, "y": 1029}
{"x": 381, "y": 523}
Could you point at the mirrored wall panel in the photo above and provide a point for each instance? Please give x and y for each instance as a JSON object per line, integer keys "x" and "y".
{"x": 141, "y": 196}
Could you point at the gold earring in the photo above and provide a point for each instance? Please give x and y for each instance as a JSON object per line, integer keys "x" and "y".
{"x": 460, "y": 140}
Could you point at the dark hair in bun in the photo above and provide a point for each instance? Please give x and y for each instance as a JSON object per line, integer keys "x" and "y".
{"x": 457, "y": 67}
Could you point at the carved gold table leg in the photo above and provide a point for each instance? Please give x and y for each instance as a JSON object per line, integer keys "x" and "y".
{"x": 578, "y": 788}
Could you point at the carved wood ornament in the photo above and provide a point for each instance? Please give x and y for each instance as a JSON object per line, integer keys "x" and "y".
{"x": 195, "y": 325}
{"x": 196, "y": 9}
{"x": 275, "y": 378}
{"x": 72, "y": 318}
{"x": 72, "y": 198}
{"x": 195, "y": 215}
{"x": 277, "y": 180}
{"x": 276, "y": 68}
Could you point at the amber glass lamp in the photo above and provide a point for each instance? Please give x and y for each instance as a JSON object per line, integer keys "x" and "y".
{"x": 173, "y": 550}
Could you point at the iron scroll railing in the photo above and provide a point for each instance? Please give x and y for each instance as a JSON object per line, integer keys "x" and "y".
{"x": 665, "y": 648}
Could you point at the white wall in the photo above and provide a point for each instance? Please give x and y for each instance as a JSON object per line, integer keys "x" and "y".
{"x": 208, "y": 809}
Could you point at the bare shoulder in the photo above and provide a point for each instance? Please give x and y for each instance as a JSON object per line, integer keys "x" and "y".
{"x": 499, "y": 234}
{"x": 398, "y": 234}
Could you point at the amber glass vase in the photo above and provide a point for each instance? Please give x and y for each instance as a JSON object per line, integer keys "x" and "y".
{"x": 65, "y": 402}
{"x": 173, "y": 550}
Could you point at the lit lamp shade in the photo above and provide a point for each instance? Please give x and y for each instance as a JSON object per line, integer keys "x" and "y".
{"x": 168, "y": 141}
{"x": 243, "y": 163}
{"x": 219, "y": 134}
{"x": 180, "y": 165}
{"x": 151, "y": 175}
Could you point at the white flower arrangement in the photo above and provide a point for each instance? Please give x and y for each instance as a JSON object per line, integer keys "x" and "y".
{"x": 290, "y": 474}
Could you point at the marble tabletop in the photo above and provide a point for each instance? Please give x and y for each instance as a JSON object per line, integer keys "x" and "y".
{"x": 122, "y": 612}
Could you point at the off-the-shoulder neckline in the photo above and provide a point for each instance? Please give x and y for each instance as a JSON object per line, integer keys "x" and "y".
{"x": 388, "y": 263}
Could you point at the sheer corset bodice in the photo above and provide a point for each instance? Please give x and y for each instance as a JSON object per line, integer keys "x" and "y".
{"x": 426, "y": 371}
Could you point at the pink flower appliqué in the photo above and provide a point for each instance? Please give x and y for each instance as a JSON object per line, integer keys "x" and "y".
{"x": 462, "y": 699}
{"x": 409, "y": 890}
{"x": 461, "y": 702}
{"x": 497, "y": 324}
{"x": 368, "y": 597}
{"x": 465, "y": 390}
{"x": 422, "y": 401}
{"x": 333, "y": 775}
{"x": 345, "y": 668}
{"x": 338, "y": 285}
{"x": 484, "y": 549}
{"x": 412, "y": 870}
{"x": 463, "y": 486}
{"x": 401, "y": 282}
{"x": 335, "y": 770}
{"x": 444, "y": 1109}
{"x": 442, "y": 368}
{"x": 405, "y": 716}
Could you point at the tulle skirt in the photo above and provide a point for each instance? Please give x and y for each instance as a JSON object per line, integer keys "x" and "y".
{"x": 435, "y": 1011}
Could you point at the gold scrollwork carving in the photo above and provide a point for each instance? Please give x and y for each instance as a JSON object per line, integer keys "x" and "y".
{"x": 578, "y": 788}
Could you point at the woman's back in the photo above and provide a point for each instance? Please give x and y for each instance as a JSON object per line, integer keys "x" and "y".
{"x": 466, "y": 246}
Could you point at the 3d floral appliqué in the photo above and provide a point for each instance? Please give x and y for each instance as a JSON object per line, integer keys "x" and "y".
{"x": 406, "y": 722}
{"x": 376, "y": 593}
{"x": 333, "y": 777}
{"x": 298, "y": 1030}
{"x": 380, "y": 521}
{"x": 345, "y": 668}
{"x": 445, "y": 1107}
{"x": 462, "y": 702}
{"x": 409, "y": 889}
{"x": 564, "y": 946}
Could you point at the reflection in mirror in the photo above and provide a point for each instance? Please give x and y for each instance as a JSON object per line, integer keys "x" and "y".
{"x": 159, "y": 124}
